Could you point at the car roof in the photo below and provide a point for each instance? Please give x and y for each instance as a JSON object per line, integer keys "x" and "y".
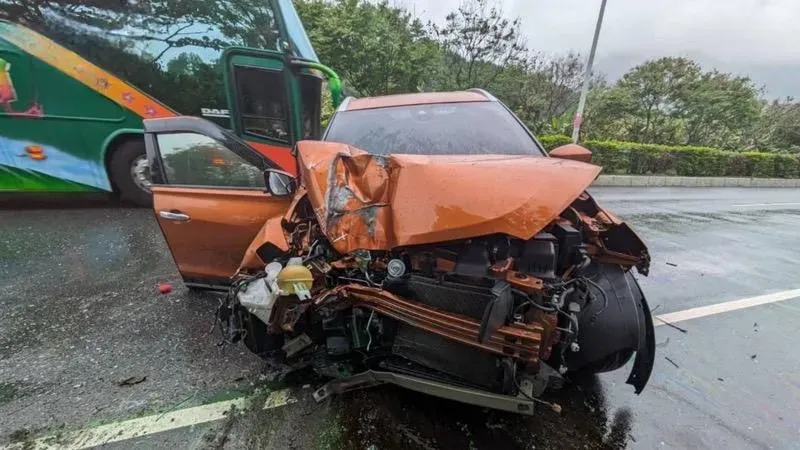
{"x": 420, "y": 98}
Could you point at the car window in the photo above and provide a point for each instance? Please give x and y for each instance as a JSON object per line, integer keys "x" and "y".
{"x": 262, "y": 102}
{"x": 472, "y": 128}
{"x": 198, "y": 160}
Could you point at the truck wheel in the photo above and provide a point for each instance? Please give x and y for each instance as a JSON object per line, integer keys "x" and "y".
{"x": 130, "y": 172}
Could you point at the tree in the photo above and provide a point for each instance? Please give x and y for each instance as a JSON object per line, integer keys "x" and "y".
{"x": 375, "y": 48}
{"x": 608, "y": 113}
{"x": 546, "y": 93}
{"x": 672, "y": 101}
{"x": 778, "y": 127}
{"x": 478, "y": 42}
{"x": 718, "y": 110}
{"x": 656, "y": 93}
{"x": 786, "y": 131}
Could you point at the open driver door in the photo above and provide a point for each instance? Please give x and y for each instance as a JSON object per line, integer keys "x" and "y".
{"x": 209, "y": 187}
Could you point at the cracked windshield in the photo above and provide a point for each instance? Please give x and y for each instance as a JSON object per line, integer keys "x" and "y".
{"x": 399, "y": 224}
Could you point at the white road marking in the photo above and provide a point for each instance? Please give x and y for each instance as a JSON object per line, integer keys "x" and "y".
{"x": 719, "y": 308}
{"x": 144, "y": 426}
{"x": 133, "y": 428}
{"x": 768, "y": 204}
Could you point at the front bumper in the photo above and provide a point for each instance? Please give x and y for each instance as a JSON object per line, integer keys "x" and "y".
{"x": 519, "y": 404}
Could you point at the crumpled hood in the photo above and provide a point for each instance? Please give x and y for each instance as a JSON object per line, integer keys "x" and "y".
{"x": 371, "y": 202}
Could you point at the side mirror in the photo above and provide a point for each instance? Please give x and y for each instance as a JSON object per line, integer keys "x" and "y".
{"x": 279, "y": 183}
{"x": 572, "y": 152}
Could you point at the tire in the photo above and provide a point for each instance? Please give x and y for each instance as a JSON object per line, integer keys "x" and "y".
{"x": 625, "y": 327}
{"x": 610, "y": 362}
{"x": 121, "y": 168}
{"x": 621, "y": 328}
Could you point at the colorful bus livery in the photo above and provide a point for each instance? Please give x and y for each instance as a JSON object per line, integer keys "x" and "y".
{"x": 61, "y": 115}
{"x": 8, "y": 95}
{"x": 76, "y": 82}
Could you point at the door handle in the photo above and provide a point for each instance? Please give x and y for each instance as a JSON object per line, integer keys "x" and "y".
{"x": 176, "y": 216}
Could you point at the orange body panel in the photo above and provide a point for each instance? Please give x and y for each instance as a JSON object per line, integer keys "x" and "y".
{"x": 421, "y": 98}
{"x": 280, "y": 155}
{"x": 222, "y": 224}
{"x": 572, "y": 152}
{"x": 365, "y": 201}
{"x": 272, "y": 233}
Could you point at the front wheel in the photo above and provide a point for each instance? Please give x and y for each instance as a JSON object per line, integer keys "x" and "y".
{"x": 130, "y": 172}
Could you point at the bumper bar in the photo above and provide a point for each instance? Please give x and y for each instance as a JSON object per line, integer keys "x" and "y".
{"x": 519, "y": 405}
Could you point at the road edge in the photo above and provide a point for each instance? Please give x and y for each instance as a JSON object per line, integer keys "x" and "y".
{"x": 671, "y": 181}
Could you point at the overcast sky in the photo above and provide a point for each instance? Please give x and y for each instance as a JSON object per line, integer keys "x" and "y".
{"x": 758, "y": 38}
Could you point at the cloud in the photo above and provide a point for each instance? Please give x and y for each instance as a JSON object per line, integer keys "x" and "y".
{"x": 741, "y": 34}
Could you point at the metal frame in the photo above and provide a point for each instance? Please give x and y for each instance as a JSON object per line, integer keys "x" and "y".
{"x": 519, "y": 405}
{"x": 518, "y": 340}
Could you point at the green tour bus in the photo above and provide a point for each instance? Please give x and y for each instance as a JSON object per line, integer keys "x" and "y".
{"x": 77, "y": 78}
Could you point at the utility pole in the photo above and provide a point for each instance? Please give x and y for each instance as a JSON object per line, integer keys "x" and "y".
{"x": 576, "y": 123}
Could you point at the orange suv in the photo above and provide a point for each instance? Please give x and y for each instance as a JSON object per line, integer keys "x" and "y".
{"x": 427, "y": 240}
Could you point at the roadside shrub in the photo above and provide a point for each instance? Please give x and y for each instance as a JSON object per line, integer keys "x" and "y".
{"x": 613, "y": 157}
{"x": 760, "y": 164}
{"x": 551, "y": 141}
{"x": 631, "y": 158}
{"x": 738, "y": 165}
{"x": 786, "y": 166}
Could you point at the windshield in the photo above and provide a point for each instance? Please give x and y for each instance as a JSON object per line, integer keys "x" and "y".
{"x": 171, "y": 50}
{"x": 298, "y": 38}
{"x": 472, "y": 128}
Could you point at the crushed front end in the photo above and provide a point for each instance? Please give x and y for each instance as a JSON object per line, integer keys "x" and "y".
{"x": 493, "y": 319}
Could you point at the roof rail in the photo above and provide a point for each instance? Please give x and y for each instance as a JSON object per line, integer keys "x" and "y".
{"x": 345, "y": 102}
{"x": 483, "y": 92}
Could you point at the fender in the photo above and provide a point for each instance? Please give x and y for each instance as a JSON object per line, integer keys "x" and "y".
{"x": 610, "y": 334}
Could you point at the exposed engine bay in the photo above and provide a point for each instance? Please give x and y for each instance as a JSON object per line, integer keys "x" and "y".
{"x": 492, "y": 320}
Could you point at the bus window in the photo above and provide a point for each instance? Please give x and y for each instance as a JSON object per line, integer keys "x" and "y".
{"x": 262, "y": 102}
{"x": 169, "y": 50}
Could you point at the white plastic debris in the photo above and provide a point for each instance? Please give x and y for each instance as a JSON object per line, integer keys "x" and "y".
{"x": 258, "y": 299}
{"x": 272, "y": 270}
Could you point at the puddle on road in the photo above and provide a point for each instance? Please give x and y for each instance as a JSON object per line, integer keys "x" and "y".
{"x": 389, "y": 417}
{"x": 392, "y": 418}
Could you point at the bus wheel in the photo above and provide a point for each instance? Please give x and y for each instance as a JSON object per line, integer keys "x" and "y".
{"x": 130, "y": 172}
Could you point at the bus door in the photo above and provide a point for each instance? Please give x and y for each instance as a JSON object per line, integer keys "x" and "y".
{"x": 263, "y": 100}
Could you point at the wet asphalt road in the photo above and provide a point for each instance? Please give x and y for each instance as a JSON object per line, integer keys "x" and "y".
{"x": 79, "y": 312}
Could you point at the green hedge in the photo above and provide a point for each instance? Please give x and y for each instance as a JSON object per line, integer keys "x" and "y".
{"x": 554, "y": 140}
{"x": 632, "y": 158}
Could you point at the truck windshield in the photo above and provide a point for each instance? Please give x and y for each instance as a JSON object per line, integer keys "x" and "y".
{"x": 472, "y": 128}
